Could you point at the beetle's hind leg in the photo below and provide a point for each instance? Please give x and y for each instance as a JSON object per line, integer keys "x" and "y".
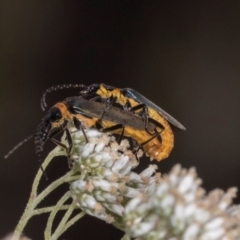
{"x": 156, "y": 135}
{"x": 143, "y": 113}
{"x": 108, "y": 104}
{"x": 111, "y": 129}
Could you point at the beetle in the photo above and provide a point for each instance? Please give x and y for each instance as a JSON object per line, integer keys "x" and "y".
{"x": 131, "y": 100}
{"x": 87, "y": 114}
{"x": 128, "y": 98}
{"x": 84, "y": 113}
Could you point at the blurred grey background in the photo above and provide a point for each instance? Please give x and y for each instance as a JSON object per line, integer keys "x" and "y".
{"x": 183, "y": 55}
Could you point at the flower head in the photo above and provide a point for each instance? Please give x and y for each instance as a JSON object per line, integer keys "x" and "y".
{"x": 180, "y": 209}
{"x": 106, "y": 182}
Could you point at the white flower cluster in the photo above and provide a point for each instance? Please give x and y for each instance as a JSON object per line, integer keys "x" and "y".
{"x": 106, "y": 182}
{"x": 180, "y": 209}
{"x": 147, "y": 206}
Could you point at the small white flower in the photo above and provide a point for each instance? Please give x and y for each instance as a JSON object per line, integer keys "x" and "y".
{"x": 178, "y": 209}
{"x": 107, "y": 178}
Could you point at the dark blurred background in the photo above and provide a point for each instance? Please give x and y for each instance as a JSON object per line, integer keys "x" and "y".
{"x": 183, "y": 55}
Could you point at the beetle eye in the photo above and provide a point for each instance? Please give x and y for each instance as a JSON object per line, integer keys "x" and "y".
{"x": 58, "y": 115}
{"x": 55, "y": 115}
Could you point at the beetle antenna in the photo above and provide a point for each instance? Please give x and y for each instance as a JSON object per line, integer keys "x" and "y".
{"x": 55, "y": 88}
{"x": 17, "y": 146}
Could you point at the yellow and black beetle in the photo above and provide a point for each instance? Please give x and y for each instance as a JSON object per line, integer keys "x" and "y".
{"x": 87, "y": 114}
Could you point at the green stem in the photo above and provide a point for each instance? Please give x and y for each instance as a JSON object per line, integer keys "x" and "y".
{"x": 48, "y": 230}
{"x": 29, "y": 210}
{"x": 39, "y": 211}
{"x": 61, "y": 225}
{"x": 53, "y": 186}
{"x": 73, "y": 220}
{"x": 54, "y": 153}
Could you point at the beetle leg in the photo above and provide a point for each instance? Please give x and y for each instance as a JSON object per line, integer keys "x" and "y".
{"x": 112, "y": 128}
{"x": 158, "y": 125}
{"x": 136, "y": 148}
{"x": 116, "y": 127}
{"x": 156, "y": 135}
{"x": 78, "y": 126}
{"x": 58, "y": 143}
{"x": 109, "y": 102}
{"x": 39, "y": 149}
{"x": 144, "y": 113}
{"x": 127, "y": 106}
{"x": 69, "y": 140}
{"x": 67, "y": 148}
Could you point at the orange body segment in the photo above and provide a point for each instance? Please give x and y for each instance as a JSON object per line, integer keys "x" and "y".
{"x": 154, "y": 149}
